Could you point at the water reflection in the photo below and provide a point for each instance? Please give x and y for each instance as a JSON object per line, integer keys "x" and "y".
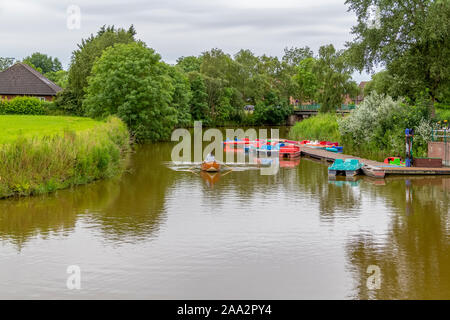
{"x": 210, "y": 178}
{"x": 289, "y": 235}
{"x": 122, "y": 209}
{"x": 414, "y": 258}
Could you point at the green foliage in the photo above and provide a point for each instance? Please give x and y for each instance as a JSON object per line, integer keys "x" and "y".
{"x": 306, "y": 80}
{"x": 189, "y": 64}
{"x": 415, "y": 53}
{"x": 199, "y": 100}
{"x": 375, "y": 130}
{"x": 43, "y": 63}
{"x": 23, "y": 105}
{"x": 294, "y": 56}
{"x": 322, "y": 127}
{"x": 130, "y": 81}
{"x": 443, "y": 112}
{"x": 272, "y": 110}
{"x": 333, "y": 77}
{"x": 224, "y": 110}
{"x": 66, "y": 102}
{"x": 58, "y": 77}
{"x": 84, "y": 57}
{"x": 181, "y": 96}
{"x": 5, "y": 63}
{"x": 382, "y": 83}
{"x": 28, "y": 63}
{"x": 377, "y": 127}
{"x": 46, "y": 163}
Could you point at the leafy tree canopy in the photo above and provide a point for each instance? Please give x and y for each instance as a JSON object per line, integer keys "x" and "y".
{"x": 306, "y": 80}
{"x": 333, "y": 77}
{"x": 43, "y": 63}
{"x": 130, "y": 81}
{"x": 190, "y": 63}
{"x": 411, "y": 38}
{"x": 89, "y": 50}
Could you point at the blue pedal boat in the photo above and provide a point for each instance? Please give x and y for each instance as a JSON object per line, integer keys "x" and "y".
{"x": 348, "y": 168}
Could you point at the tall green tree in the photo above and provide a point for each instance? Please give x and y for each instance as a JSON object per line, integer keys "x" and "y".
{"x": 43, "y": 62}
{"x": 246, "y": 78}
{"x": 59, "y": 77}
{"x": 293, "y": 56}
{"x": 181, "y": 96}
{"x": 217, "y": 69}
{"x": 411, "y": 38}
{"x": 130, "y": 81}
{"x": 88, "y": 51}
{"x": 306, "y": 80}
{"x": 199, "y": 97}
{"x": 382, "y": 83}
{"x": 334, "y": 78}
{"x": 189, "y": 64}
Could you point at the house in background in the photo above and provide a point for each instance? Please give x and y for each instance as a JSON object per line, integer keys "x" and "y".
{"x": 360, "y": 97}
{"x": 347, "y": 99}
{"x": 22, "y": 80}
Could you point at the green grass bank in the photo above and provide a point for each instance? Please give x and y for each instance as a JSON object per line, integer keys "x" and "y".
{"x": 41, "y": 154}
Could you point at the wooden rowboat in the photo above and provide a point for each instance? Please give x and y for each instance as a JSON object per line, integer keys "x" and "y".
{"x": 210, "y": 166}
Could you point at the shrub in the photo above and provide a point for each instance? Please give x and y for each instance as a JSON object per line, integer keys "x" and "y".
{"x": 24, "y": 105}
{"x": 376, "y": 128}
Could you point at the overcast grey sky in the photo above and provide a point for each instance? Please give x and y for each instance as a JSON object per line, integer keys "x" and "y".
{"x": 177, "y": 28}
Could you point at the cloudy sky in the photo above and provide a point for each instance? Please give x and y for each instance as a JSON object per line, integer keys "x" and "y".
{"x": 176, "y": 28}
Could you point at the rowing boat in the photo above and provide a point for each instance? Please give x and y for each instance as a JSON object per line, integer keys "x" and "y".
{"x": 211, "y": 166}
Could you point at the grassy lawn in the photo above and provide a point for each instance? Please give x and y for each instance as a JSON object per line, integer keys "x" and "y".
{"x": 13, "y": 126}
{"x": 64, "y": 151}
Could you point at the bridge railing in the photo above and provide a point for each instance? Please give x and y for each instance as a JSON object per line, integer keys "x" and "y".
{"x": 316, "y": 107}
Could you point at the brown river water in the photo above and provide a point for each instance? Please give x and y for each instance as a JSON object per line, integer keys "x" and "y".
{"x": 161, "y": 233}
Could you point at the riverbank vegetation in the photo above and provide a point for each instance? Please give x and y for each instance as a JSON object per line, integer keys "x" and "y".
{"x": 214, "y": 87}
{"x": 115, "y": 73}
{"x": 323, "y": 127}
{"x": 374, "y": 130}
{"x": 40, "y": 154}
{"x": 413, "y": 90}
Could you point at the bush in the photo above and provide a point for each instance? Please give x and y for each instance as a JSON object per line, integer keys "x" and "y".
{"x": 24, "y": 105}
{"x": 376, "y": 128}
{"x": 442, "y": 111}
{"x": 44, "y": 164}
{"x": 324, "y": 126}
{"x": 272, "y": 110}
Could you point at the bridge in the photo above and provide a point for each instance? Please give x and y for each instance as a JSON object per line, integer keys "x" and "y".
{"x": 305, "y": 111}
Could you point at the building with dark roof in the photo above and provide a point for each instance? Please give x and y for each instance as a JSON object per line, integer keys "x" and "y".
{"x": 22, "y": 80}
{"x": 360, "y": 97}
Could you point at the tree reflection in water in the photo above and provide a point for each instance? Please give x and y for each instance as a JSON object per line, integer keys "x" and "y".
{"x": 123, "y": 209}
{"x": 414, "y": 259}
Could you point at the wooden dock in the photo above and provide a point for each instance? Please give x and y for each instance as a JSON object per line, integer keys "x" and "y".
{"x": 372, "y": 168}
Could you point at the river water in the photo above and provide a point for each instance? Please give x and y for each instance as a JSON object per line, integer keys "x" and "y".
{"x": 161, "y": 233}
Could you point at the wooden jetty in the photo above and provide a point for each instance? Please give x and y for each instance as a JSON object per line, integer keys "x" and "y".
{"x": 372, "y": 168}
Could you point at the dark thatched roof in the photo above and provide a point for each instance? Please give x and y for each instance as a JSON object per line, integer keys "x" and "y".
{"x": 21, "y": 79}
